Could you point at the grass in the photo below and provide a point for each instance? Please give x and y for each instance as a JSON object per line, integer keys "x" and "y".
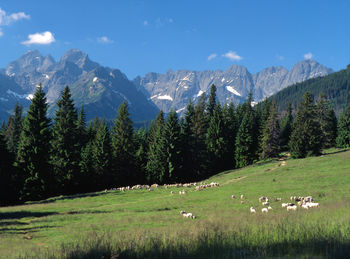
{"x": 144, "y": 224}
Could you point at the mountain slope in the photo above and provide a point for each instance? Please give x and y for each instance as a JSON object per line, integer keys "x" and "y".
{"x": 101, "y": 98}
{"x": 335, "y": 86}
{"x": 174, "y": 89}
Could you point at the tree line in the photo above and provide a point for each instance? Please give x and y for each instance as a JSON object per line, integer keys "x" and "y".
{"x": 43, "y": 158}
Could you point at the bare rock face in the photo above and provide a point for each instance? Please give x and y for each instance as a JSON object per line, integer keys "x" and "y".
{"x": 174, "y": 89}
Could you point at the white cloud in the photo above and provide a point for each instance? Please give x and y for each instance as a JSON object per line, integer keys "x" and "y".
{"x": 145, "y": 23}
{"x": 6, "y": 19}
{"x": 212, "y": 56}
{"x": 232, "y": 55}
{"x": 104, "y": 39}
{"x": 308, "y": 55}
{"x": 40, "y": 38}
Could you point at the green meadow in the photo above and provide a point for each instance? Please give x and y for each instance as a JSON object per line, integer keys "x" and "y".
{"x": 148, "y": 224}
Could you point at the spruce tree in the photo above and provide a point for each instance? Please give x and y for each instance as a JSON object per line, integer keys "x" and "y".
{"x": 244, "y": 153}
{"x": 343, "y": 139}
{"x": 211, "y": 101}
{"x": 13, "y": 129}
{"x": 328, "y": 122}
{"x": 81, "y": 128}
{"x": 230, "y": 132}
{"x": 306, "y": 138}
{"x": 286, "y": 128}
{"x": 141, "y": 143}
{"x": 8, "y": 194}
{"x": 157, "y": 166}
{"x": 123, "y": 147}
{"x": 173, "y": 148}
{"x": 102, "y": 161}
{"x": 34, "y": 150}
{"x": 215, "y": 140}
{"x": 271, "y": 135}
{"x": 65, "y": 145}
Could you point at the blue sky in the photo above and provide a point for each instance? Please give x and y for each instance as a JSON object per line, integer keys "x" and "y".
{"x": 154, "y": 36}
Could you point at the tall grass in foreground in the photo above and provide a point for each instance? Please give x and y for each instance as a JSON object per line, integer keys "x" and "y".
{"x": 302, "y": 234}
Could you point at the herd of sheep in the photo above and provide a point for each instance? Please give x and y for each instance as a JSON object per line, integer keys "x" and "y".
{"x": 303, "y": 202}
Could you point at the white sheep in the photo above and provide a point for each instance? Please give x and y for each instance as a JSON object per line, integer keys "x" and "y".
{"x": 294, "y": 207}
{"x": 312, "y": 204}
{"x": 171, "y": 192}
{"x": 252, "y": 210}
{"x": 265, "y": 203}
{"x": 278, "y": 199}
{"x": 269, "y": 208}
{"x": 242, "y": 196}
{"x": 233, "y": 196}
{"x": 304, "y": 206}
{"x": 264, "y": 210}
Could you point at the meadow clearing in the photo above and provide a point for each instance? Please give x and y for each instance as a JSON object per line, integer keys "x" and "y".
{"x": 142, "y": 223}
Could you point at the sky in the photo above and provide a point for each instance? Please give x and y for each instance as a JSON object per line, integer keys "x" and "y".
{"x": 138, "y": 37}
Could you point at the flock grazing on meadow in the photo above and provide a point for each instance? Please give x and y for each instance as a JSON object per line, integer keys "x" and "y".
{"x": 300, "y": 201}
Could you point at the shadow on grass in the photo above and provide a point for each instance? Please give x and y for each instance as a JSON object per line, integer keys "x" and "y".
{"x": 14, "y": 230}
{"x": 311, "y": 249}
{"x": 24, "y": 214}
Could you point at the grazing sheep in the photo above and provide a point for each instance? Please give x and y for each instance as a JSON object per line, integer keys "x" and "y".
{"x": 304, "y": 206}
{"x": 262, "y": 198}
{"x": 182, "y": 192}
{"x": 287, "y": 204}
{"x": 242, "y": 202}
{"x": 252, "y": 210}
{"x": 269, "y": 208}
{"x": 242, "y": 196}
{"x": 264, "y": 210}
{"x": 294, "y": 207}
{"x": 278, "y": 199}
{"x": 265, "y": 203}
{"x": 233, "y": 196}
{"x": 171, "y": 192}
{"x": 312, "y": 204}
{"x": 182, "y": 212}
{"x": 150, "y": 189}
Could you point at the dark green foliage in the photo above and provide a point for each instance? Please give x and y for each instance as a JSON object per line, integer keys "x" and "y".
{"x": 246, "y": 140}
{"x": 336, "y": 88}
{"x": 306, "y": 138}
{"x": 123, "y": 148}
{"x": 81, "y": 128}
{"x": 141, "y": 144}
{"x": 271, "y": 135}
{"x": 173, "y": 148}
{"x": 328, "y": 122}
{"x": 230, "y": 132}
{"x": 13, "y": 129}
{"x": 102, "y": 160}
{"x": 65, "y": 145}
{"x": 157, "y": 166}
{"x": 34, "y": 151}
{"x": 343, "y": 139}
{"x": 211, "y": 101}
{"x": 8, "y": 194}
{"x": 215, "y": 140}
{"x": 286, "y": 128}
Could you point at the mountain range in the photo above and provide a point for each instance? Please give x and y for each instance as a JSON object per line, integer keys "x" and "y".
{"x": 101, "y": 89}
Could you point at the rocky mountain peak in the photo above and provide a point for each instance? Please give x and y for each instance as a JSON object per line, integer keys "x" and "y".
{"x": 79, "y": 58}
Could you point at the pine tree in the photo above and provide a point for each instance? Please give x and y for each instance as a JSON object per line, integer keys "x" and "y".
{"x": 286, "y": 128}
{"x": 13, "y": 129}
{"x": 328, "y": 122}
{"x": 230, "y": 132}
{"x": 244, "y": 153}
{"x": 65, "y": 145}
{"x": 141, "y": 143}
{"x": 81, "y": 128}
{"x": 271, "y": 135}
{"x": 157, "y": 166}
{"x": 8, "y": 194}
{"x": 123, "y": 147}
{"x": 343, "y": 139}
{"x": 306, "y": 135}
{"x": 34, "y": 152}
{"x": 215, "y": 140}
{"x": 102, "y": 158}
{"x": 173, "y": 148}
{"x": 211, "y": 101}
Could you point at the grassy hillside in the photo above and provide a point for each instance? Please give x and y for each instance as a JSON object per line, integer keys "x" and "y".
{"x": 149, "y": 224}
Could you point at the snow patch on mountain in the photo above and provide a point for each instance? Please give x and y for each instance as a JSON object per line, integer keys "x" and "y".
{"x": 232, "y": 90}
{"x": 164, "y": 97}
